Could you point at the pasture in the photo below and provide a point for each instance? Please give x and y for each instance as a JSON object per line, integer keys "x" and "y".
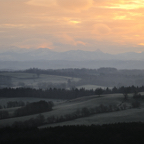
{"x": 67, "y": 107}
{"x": 34, "y": 80}
{"x": 129, "y": 115}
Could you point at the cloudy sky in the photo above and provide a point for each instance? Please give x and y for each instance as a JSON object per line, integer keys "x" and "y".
{"x": 113, "y": 26}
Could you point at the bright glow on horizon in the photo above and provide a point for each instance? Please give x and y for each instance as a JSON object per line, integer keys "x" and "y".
{"x": 141, "y": 44}
{"x": 75, "y": 22}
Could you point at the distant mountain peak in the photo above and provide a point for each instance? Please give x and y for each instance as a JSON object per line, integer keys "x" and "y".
{"x": 98, "y": 51}
{"x": 43, "y": 49}
{"x": 74, "y": 55}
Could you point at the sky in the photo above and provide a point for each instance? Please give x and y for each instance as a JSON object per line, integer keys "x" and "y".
{"x": 113, "y": 26}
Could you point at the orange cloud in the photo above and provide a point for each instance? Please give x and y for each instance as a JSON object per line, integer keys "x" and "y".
{"x": 75, "y": 4}
{"x": 36, "y": 43}
{"x": 45, "y": 3}
{"x": 66, "y": 4}
{"x": 66, "y": 39}
{"x": 101, "y": 29}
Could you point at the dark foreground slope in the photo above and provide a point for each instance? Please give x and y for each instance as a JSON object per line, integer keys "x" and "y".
{"x": 121, "y": 133}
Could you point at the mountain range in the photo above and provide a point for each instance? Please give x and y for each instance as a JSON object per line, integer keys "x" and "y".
{"x": 72, "y": 55}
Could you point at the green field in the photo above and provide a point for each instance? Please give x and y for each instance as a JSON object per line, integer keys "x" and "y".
{"x": 67, "y": 107}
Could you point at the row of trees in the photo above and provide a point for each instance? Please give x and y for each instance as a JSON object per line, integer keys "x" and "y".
{"x": 12, "y": 104}
{"x": 64, "y": 93}
{"x": 84, "y": 112}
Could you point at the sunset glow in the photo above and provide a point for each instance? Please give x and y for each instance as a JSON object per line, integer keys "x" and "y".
{"x": 62, "y": 25}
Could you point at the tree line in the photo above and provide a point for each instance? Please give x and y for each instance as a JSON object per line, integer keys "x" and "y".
{"x": 11, "y": 104}
{"x": 85, "y": 112}
{"x": 54, "y": 93}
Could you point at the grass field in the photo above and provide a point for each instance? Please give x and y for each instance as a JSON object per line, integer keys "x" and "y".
{"x": 33, "y": 80}
{"x": 130, "y": 115}
{"x": 67, "y": 107}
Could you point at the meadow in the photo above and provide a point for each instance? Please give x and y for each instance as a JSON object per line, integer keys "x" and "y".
{"x": 62, "y": 108}
{"x": 33, "y": 80}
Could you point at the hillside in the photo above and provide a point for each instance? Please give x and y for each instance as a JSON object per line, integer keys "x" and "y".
{"x": 68, "y": 107}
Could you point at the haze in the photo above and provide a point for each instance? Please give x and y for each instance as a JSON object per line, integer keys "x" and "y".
{"x": 62, "y": 25}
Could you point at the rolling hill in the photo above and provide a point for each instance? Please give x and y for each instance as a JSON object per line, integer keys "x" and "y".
{"x": 67, "y": 107}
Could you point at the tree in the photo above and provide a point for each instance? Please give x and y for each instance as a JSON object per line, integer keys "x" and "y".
{"x": 125, "y": 92}
{"x": 99, "y": 91}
